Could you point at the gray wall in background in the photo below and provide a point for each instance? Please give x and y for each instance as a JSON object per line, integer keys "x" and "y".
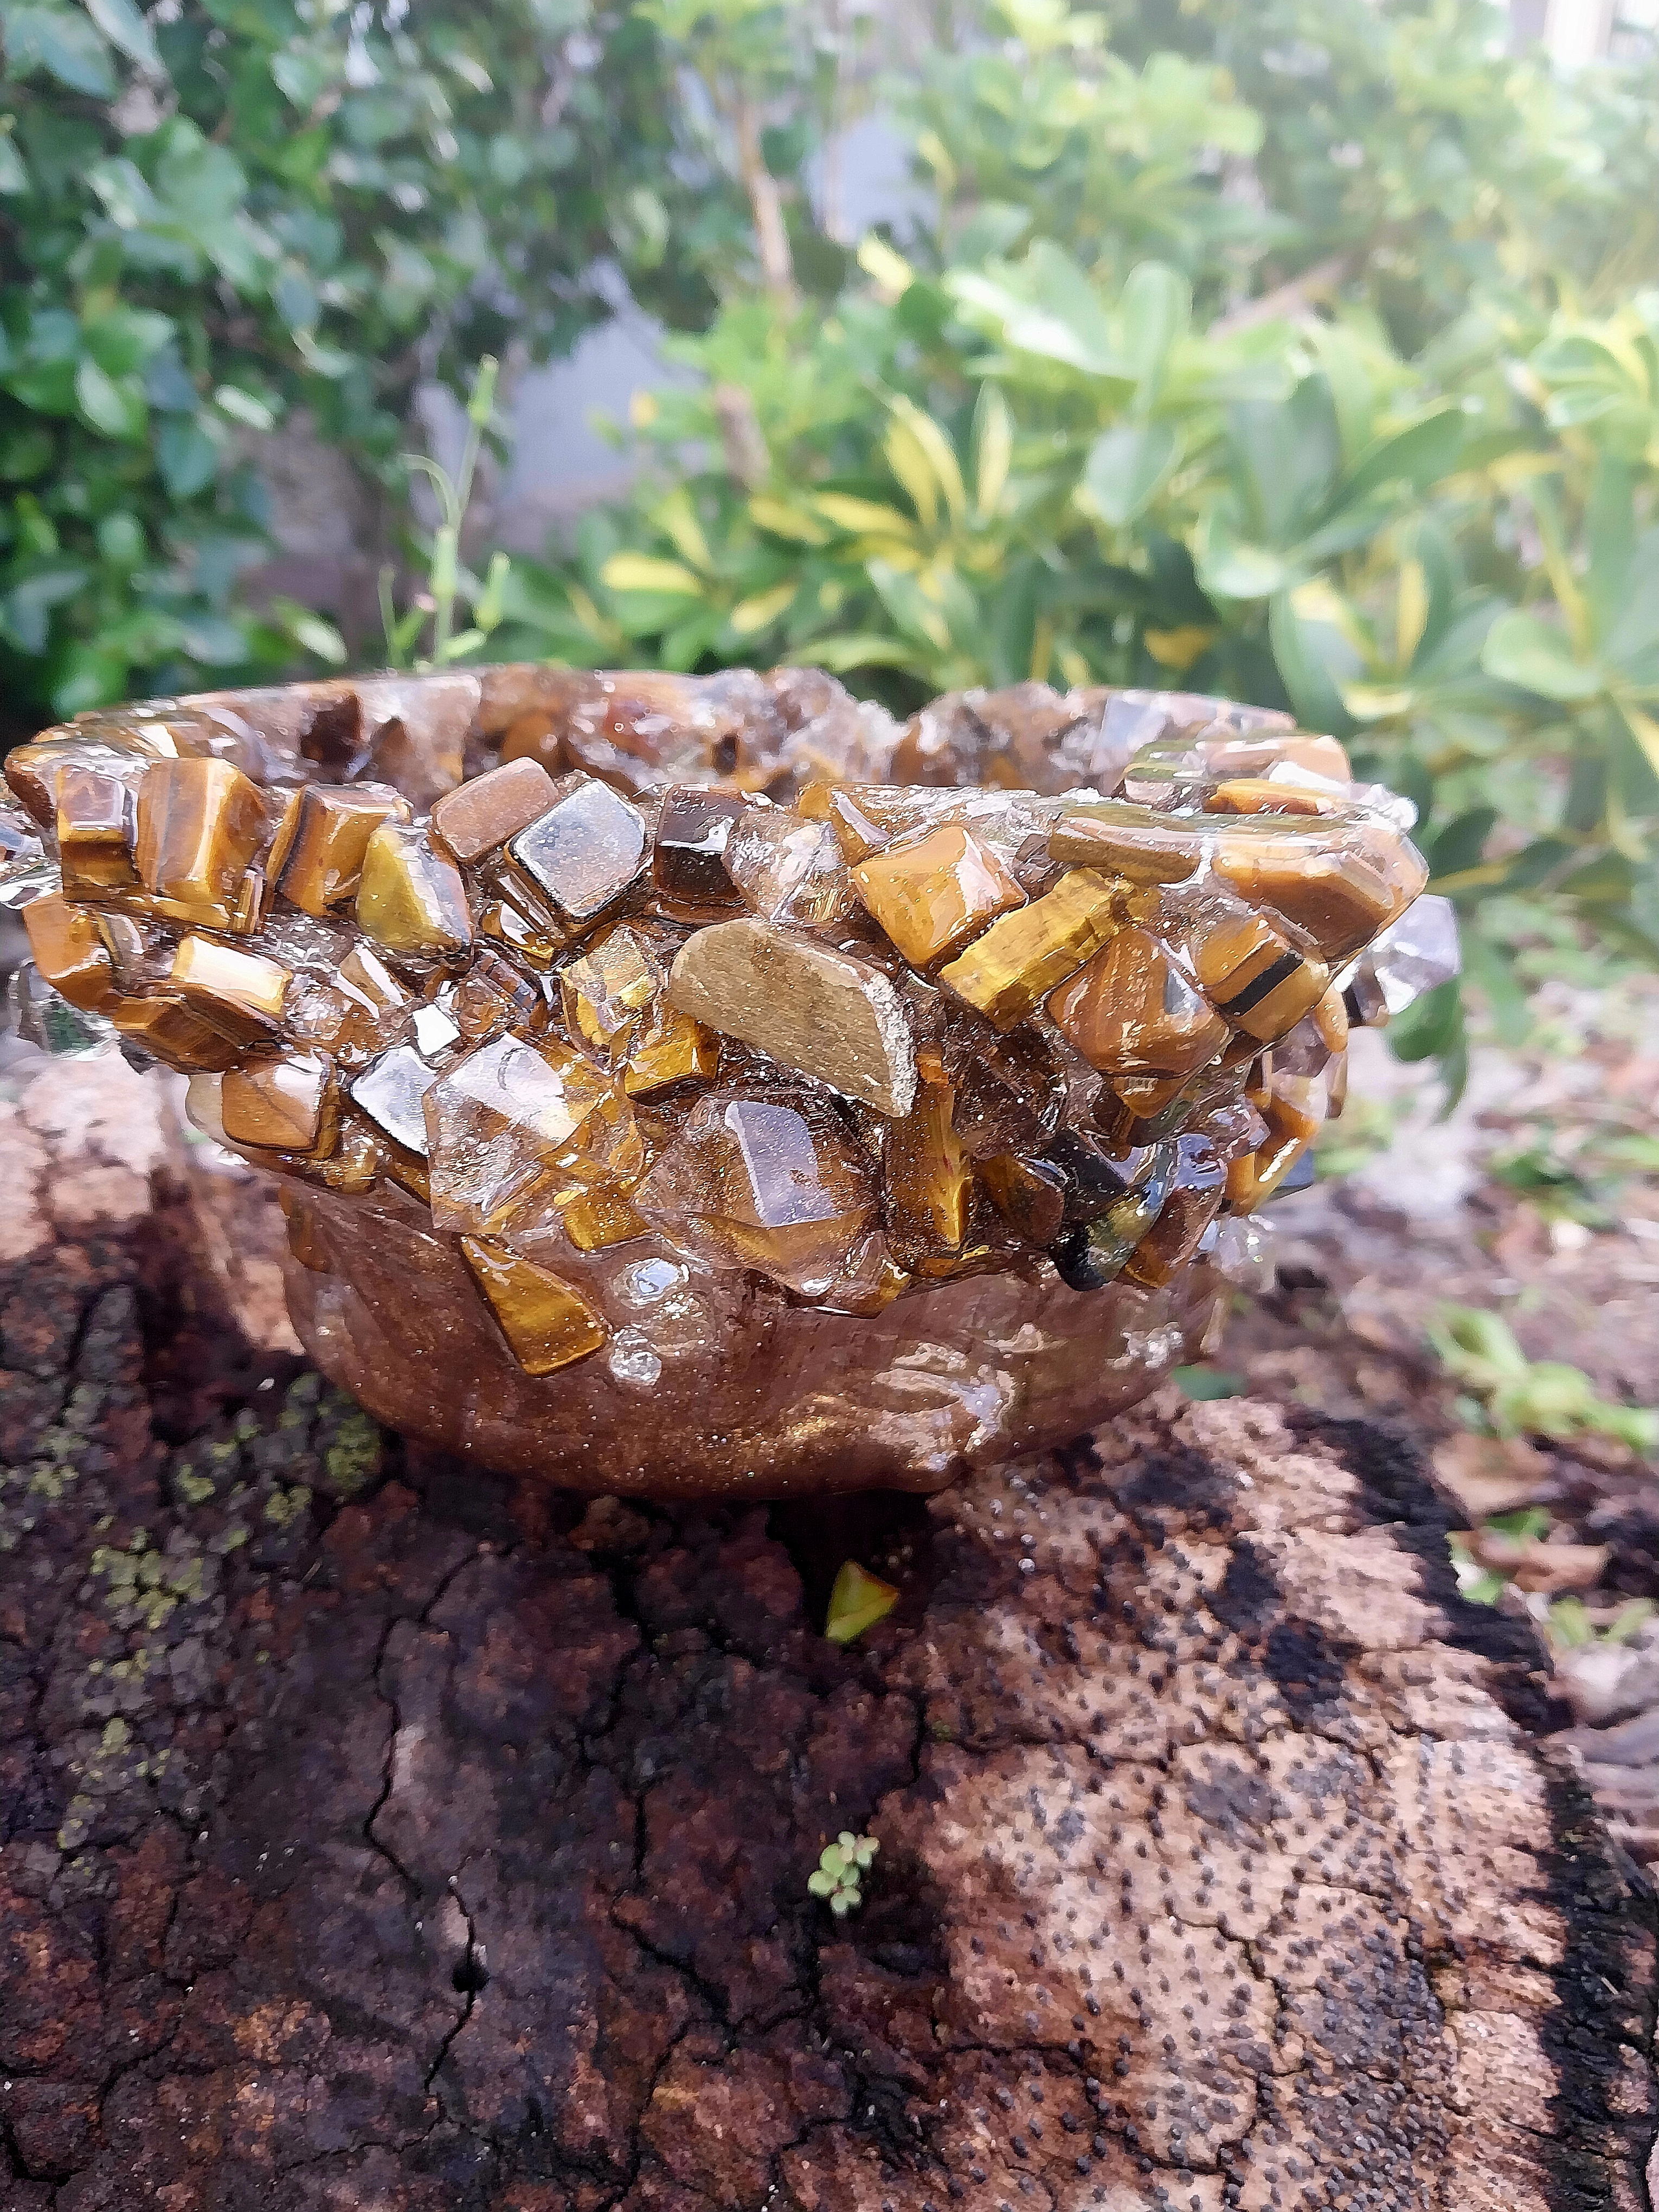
{"x": 559, "y": 462}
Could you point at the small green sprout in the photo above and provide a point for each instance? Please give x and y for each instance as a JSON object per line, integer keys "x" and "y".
{"x": 1518, "y": 1396}
{"x": 840, "y": 1870}
{"x": 858, "y": 1601}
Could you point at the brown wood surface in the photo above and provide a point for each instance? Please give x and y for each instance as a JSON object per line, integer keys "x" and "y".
{"x": 375, "y": 1837}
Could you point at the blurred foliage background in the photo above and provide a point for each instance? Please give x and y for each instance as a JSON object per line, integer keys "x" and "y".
{"x": 1303, "y": 350}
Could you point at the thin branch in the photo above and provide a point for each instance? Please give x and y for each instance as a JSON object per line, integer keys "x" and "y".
{"x": 1293, "y": 300}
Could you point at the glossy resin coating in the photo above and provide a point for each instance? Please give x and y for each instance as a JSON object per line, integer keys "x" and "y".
{"x": 710, "y": 1085}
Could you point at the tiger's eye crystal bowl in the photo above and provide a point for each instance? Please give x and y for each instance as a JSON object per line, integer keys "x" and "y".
{"x": 711, "y": 1085}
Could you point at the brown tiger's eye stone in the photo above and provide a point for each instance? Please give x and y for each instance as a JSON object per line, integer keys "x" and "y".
{"x": 1009, "y": 1091}
{"x": 317, "y": 857}
{"x": 508, "y": 926}
{"x": 1254, "y": 976}
{"x": 1132, "y": 1011}
{"x": 547, "y": 1323}
{"x": 1255, "y": 795}
{"x": 1130, "y": 841}
{"x": 773, "y": 1183}
{"x": 824, "y": 1013}
{"x": 175, "y": 1032}
{"x": 586, "y": 850}
{"x": 69, "y": 953}
{"x": 287, "y": 1105}
{"x": 410, "y": 899}
{"x": 242, "y": 992}
{"x": 200, "y": 823}
{"x": 606, "y": 992}
{"x": 1342, "y": 898}
{"x": 928, "y": 1181}
{"x": 95, "y": 833}
{"x": 1019, "y": 960}
{"x": 688, "y": 864}
{"x": 1029, "y": 1194}
{"x": 933, "y": 893}
{"x": 481, "y": 815}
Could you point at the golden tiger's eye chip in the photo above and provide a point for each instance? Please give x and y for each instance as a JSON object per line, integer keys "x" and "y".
{"x": 200, "y": 823}
{"x": 671, "y": 1048}
{"x": 411, "y": 900}
{"x": 1022, "y": 957}
{"x": 176, "y": 1033}
{"x": 242, "y": 992}
{"x": 928, "y": 1180}
{"x": 317, "y": 857}
{"x": 1132, "y": 1011}
{"x": 1257, "y": 795}
{"x": 547, "y": 1323}
{"x": 931, "y": 897}
{"x": 1255, "y": 977}
{"x": 1342, "y": 898}
{"x": 288, "y": 1105}
{"x": 95, "y": 833}
{"x": 69, "y": 953}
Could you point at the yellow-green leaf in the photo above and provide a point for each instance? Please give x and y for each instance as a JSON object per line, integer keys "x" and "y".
{"x": 1177, "y": 648}
{"x": 889, "y": 271}
{"x": 1372, "y": 702}
{"x": 857, "y": 1600}
{"x": 677, "y": 519}
{"x": 762, "y": 610}
{"x": 785, "y": 521}
{"x": 926, "y": 450}
{"x": 1411, "y": 612}
{"x": 1645, "y": 731}
{"x": 644, "y": 571}
{"x": 994, "y": 447}
{"x": 859, "y": 514}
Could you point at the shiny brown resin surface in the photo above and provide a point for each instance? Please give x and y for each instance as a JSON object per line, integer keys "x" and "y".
{"x": 699, "y": 1084}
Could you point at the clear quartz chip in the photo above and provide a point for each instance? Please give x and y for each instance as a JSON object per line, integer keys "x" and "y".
{"x": 35, "y": 1014}
{"x": 1417, "y": 952}
{"x": 634, "y": 1359}
{"x": 390, "y": 1090}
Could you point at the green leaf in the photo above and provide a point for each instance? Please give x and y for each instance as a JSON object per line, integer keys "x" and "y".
{"x": 124, "y": 26}
{"x": 1228, "y": 566}
{"x": 1204, "y": 1384}
{"x": 1428, "y": 1027}
{"x": 245, "y": 407}
{"x": 1126, "y": 466}
{"x": 13, "y": 177}
{"x": 1417, "y": 456}
{"x": 857, "y": 1600}
{"x": 1154, "y": 312}
{"x": 64, "y": 45}
{"x": 115, "y": 406}
{"x": 1537, "y": 656}
{"x": 860, "y": 649}
{"x": 186, "y": 457}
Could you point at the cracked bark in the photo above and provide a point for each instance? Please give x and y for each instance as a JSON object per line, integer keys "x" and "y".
{"x": 375, "y": 1835}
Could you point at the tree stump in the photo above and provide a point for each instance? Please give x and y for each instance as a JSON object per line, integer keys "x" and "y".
{"x": 378, "y": 1835}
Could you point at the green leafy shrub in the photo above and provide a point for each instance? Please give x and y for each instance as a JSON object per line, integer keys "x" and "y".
{"x": 209, "y": 221}
{"x": 1285, "y": 352}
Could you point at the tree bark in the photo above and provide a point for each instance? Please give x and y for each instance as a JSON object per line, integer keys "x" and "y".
{"x": 379, "y": 1835}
